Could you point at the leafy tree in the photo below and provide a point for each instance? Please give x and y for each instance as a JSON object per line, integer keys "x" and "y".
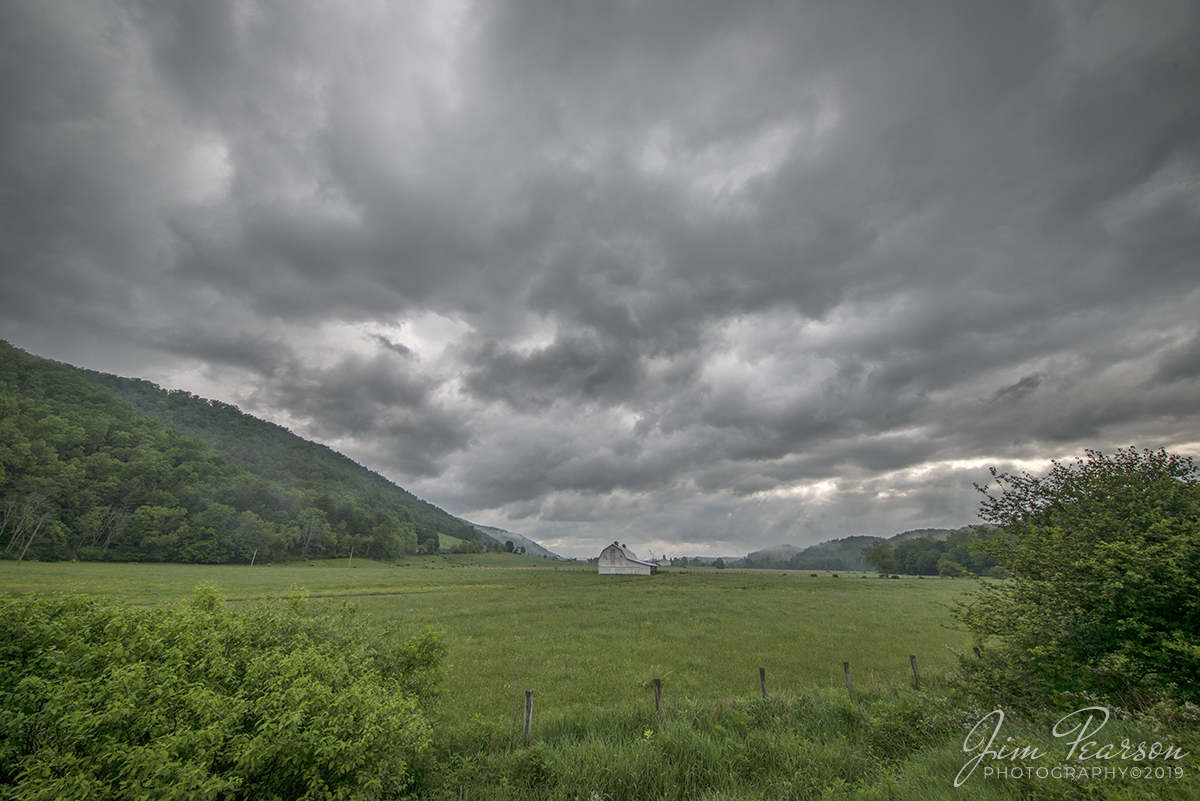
{"x": 949, "y": 568}
{"x": 880, "y": 556}
{"x": 929, "y": 562}
{"x": 922, "y": 556}
{"x": 719, "y": 564}
{"x": 1104, "y": 594}
{"x": 428, "y": 541}
{"x": 314, "y": 531}
{"x": 508, "y": 546}
{"x": 24, "y": 518}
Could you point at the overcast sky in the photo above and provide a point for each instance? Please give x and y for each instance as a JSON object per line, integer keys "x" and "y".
{"x": 700, "y": 277}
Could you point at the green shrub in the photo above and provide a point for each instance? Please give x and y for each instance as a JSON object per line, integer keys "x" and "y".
{"x": 905, "y": 726}
{"x": 103, "y": 700}
{"x": 1103, "y": 598}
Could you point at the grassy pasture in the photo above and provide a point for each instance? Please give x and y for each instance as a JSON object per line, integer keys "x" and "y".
{"x": 588, "y": 647}
{"x": 581, "y": 640}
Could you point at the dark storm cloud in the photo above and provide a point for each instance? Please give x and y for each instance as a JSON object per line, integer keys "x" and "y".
{"x": 380, "y": 403}
{"x": 1019, "y": 390}
{"x": 579, "y": 370}
{"x": 701, "y": 273}
{"x": 1180, "y": 363}
{"x": 220, "y": 349}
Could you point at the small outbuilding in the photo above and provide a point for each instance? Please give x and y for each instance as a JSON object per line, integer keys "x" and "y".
{"x": 618, "y": 560}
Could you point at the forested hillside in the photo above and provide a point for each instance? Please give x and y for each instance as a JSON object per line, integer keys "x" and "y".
{"x": 840, "y": 554}
{"x": 917, "y": 552}
{"x": 95, "y": 466}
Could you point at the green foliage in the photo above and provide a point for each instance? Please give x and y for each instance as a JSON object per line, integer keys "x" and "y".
{"x": 880, "y": 556}
{"x": 901, "y": 726}
{"x": 949, "y": 568}
{"x": 1104, "y": 598}
{"x": 96, "y": 467}
{"x": 838, "y": 554}
{"x": 777, "y": 747}
{"x": 956, "y": 555}
{"x": 428, "y": 541}
{"x": 354, "y": 498}
{"x": 102, "y": 700}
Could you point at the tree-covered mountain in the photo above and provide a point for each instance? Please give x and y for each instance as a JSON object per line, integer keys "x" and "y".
{"x": 94, "y": 466}
{"x": 916, "y": 552}
{"x": 839, "y": 554}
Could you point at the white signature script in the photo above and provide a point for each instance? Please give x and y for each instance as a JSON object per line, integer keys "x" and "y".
{"x": 1083, "y": 747}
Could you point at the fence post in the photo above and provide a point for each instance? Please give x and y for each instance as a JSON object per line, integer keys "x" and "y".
{"x": 912, "y": 660}
{"x": 528, "y": 714}
{"x": 762, "y": 680}
{"x": 849, "y": 686}
{"x": 658, "y": 695}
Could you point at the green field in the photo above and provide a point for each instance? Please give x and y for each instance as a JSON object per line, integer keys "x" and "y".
{"x": 581, "y": 640}
{"x": 589, "y": 646}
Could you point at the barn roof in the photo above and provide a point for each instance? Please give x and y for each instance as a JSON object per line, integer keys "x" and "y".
{"x": 627, "y": 553}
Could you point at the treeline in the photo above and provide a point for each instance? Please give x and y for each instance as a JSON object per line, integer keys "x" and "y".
{"x": 838, "y": 554}
{"x": 939, "y": 552}
{"x": 927, "y": 556}
{"x": 802, "y": 562}
{"x": 97, "y": 467}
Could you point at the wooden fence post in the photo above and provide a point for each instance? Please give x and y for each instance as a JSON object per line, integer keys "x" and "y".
{"x": 658, "y": 695}
{"x": 849, "y": 686}
{"x": 762, "y": 680}
{"x": 912, "y": 660}
{"x": 528, "y": 714}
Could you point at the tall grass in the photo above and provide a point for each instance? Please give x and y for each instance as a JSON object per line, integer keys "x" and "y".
{"x": 819, "y": 743}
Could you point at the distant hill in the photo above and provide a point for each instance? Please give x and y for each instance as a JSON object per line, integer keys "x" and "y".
{"x": 935, "y": 533}
{"x": 837, "y": 554}
{"x": 500, "y": 536}
{"x": 95, "y": 466}
{"x": 776, "y": 553}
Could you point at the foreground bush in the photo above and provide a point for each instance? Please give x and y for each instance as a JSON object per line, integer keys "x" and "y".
{"x": 103, "y": 700}
{"x": 1104, "y": 594}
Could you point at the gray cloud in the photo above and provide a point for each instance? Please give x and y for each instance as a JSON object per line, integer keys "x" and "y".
{"x": 1017, "y": 391}
{"x": 1181, "y": 362}
{"x": 707, "y": 275}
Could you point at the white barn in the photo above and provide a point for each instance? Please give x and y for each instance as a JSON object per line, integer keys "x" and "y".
{"x": 618, "y": 560}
